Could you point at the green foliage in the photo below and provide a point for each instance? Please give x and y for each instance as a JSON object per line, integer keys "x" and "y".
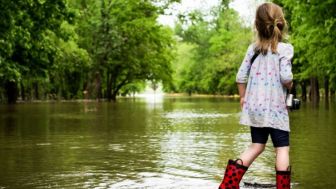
{"x": 69, "y": 71}
{"x": 133, "y": 88}
{"x": 65, "y": 49}
{"x": 313, "y": 26}
{"x": 211, "y": 53}
{"x": 27, "y": 39}
{"x": 182, "y": 66}
{"x": 126, "y": 43}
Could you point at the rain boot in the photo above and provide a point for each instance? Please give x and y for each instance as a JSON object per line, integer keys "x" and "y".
{"x": 233, "y": 175}
{"x": 283, "y": 179}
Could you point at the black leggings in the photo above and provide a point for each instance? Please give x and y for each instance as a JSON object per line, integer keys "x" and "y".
{"x": 279, "y": 138}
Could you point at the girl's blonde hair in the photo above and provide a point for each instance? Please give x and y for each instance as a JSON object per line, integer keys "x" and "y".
{"x": 271, "y": 27}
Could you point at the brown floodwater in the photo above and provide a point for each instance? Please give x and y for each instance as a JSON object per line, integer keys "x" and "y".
{"x": 180, "y": 142}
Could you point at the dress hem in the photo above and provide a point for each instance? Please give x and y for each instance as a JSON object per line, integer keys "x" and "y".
{"x": 254, "y": 125}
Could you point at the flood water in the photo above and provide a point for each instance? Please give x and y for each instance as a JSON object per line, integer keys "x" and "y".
{"x": 177, "y": 142}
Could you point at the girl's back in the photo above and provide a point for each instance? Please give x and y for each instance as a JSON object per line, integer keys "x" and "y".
{"x": 265, "y": 94}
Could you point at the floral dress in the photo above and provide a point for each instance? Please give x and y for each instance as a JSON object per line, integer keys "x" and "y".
{"x": 265, "y": 95}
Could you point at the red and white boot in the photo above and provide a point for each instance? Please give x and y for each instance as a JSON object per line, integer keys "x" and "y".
{"x": 233, "y": 174}
{"x": 283, "y": 179}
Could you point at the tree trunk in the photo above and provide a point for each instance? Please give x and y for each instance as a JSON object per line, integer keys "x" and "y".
{"x": 326, "y": 88}
{"x": 314, "y": 90}
{"x": 98, "y": 86}
{"x": 23, "y": 95}
{"x": 36, "y": 91}
{"x": 109, "y": 87}
{"x": 304, "y": 90}
{"x": 189, "y": 93}
{"x": 332, "y": 94}
{"x": 113, "y": 97}
{"x": 115, "y": 87}
{"x": 11, "y": 92}
{"x": 28, "y": 92}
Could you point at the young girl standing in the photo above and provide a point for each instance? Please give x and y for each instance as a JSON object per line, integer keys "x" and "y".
{"x": 266, "y": 69}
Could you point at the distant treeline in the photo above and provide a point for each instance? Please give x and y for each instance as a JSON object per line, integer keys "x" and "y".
{"x": 210, "y": 52}
{"x": 74, "y": 49}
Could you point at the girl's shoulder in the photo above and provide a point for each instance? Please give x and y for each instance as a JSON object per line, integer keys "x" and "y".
{"x": 285, "y": 49}
{"x": 285, "y": 46}
{"x": 251, "y": 48}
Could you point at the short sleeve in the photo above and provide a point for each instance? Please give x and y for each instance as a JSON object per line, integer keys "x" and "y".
{"x": 244, "y": 69}
{"x": 286, "y": 54}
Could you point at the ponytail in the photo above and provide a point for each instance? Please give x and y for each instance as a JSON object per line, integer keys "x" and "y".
{"x": 276, "y": 36}
{"x": 270, "y": 24}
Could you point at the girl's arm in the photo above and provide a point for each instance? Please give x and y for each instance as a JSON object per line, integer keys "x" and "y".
{"x": 244, "y": 69}
{"x": 241, "y": 89}
{"x": 286, "y": 75}
{"x": 243, "y": 73}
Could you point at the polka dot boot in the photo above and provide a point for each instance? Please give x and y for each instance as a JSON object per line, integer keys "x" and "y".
{"x": 233, "y": 175}
{"x": 283, "y": 179}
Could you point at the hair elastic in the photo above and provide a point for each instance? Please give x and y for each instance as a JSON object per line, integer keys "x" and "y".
{"x": 276, "y": 21}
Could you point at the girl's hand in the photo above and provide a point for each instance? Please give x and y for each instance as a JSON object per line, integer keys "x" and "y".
{"x": 241, "y": 102}
{"x": 289, "y": 85}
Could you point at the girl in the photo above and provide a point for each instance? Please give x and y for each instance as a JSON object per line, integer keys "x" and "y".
{"x": 267, "y": 71}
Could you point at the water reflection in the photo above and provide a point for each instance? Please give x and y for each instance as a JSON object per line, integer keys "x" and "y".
{"x": 134, "y": 143}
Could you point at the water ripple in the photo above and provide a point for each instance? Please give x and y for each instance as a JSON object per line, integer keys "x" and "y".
{"x": 193, "y": 115}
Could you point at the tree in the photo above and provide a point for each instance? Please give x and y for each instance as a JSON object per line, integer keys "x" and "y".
{"x": 126, "y": 45}
{"x": 217, "y": 47}
{"x": 26, "y": 44}
{"x": 67, "y": 78}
